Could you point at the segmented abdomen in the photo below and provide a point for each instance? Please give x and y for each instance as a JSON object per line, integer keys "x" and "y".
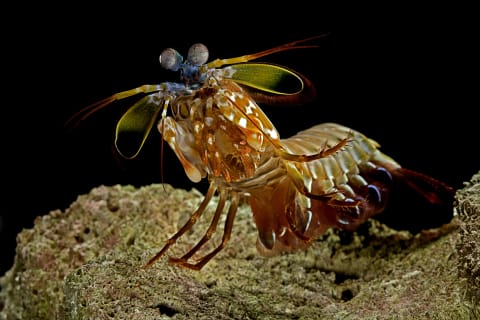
{"x": 342, "y": 189}
{"x": 342, "y": 170}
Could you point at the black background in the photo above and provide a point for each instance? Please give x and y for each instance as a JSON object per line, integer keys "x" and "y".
{"x": 411, "y": 90}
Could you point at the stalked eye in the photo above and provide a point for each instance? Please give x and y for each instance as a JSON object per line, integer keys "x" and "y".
{"x": 197, "y": 54}
{"x": 170, "y": 59}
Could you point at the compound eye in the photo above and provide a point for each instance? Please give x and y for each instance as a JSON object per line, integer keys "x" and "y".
{"x": 170, "y": 59}
{"x": 197, "y": 54}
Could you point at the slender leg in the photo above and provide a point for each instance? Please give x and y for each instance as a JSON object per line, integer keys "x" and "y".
{"x": 226, "y": 236}
{"x": 186, "y": 226}
{"x": 324, "y": 152}
{"x": 211, "y": 229}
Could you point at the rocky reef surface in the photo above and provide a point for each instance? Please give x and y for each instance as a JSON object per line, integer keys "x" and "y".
{"x": 87, "y": 262}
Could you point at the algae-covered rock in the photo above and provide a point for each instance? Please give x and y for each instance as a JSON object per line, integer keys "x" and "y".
{"x": 468, "y": 209}
{"x": 88, "y": 263}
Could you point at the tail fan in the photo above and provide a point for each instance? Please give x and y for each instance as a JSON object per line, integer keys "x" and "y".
{"x": 418, "y": 202}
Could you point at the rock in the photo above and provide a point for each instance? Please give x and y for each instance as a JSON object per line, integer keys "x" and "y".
{"x": 468, "y": 246}
{"x": 88, "y": 263}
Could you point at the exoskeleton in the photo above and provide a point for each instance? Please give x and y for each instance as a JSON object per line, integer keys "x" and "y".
{"x": 298, "y": 187}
